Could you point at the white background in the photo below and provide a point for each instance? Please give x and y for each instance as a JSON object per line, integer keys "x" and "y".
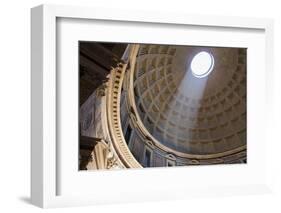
{"x": 15, "y": 106}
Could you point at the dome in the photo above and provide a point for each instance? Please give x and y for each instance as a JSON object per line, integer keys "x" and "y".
{"x": 190, "y": 113}
{"x": 145, "y": 105}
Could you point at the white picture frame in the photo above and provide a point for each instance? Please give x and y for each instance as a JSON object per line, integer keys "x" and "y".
{"x": 44, "y": 155}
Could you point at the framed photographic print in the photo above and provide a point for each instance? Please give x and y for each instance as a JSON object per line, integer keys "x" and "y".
{"x": 130, "y": 106}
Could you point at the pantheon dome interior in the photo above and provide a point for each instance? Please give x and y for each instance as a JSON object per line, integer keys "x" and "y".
{"x": 153, "y": 105}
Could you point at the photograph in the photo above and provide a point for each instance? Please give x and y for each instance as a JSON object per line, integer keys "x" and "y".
{"x": 137, "y": 104}
{"x": 160, "y": 105}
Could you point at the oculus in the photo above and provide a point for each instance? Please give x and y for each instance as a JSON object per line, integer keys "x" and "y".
{"x": 202, "y": 64}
